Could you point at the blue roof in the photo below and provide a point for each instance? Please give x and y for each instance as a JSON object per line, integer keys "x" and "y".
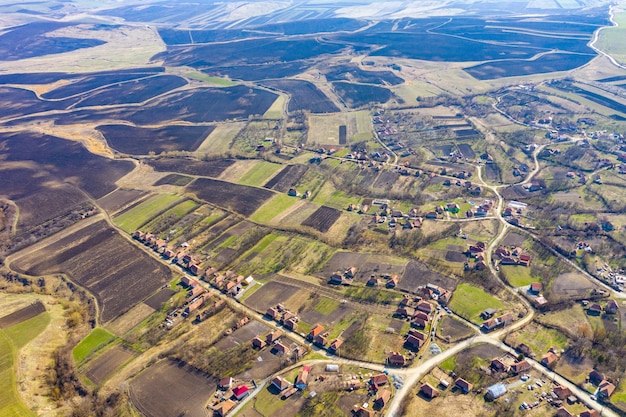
{"x": 496, "y": 390}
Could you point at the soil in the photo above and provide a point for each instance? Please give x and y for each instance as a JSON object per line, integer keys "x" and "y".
{"x": 169, "y": 389}
{"x": 174, "y": 179}
{"x": 322, "y": 219}
{"x": 21, "y": 315}
{"x": 159, "y": 299}
{"x": 102, "y": 367}
{"x": 572, "y": 284}
{"x": 417, "y": 274}
{"x": 454, "y": 329}
{"x": 312, "y": 316}
{"x": 513, "y": 239}
{"x": 269, "y": 295}
{"x": 120, "y": 199}
{"x": 286, "y": 178}
{"x": 238, "y": 198}
{"x": 211, "y": 169}
{"x": 455, "y": 257}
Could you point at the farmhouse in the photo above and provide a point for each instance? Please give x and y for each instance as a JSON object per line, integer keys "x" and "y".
{"x": 378, "y": 380}
{"x": 590, "y": 413}
{"x": 335, "y": 345}
{"x": 521, "y": 366}
{"x": 225, "y": 383}
{"x": 563, "y": 412}
{"x": 499, "y": 366}
{"x": 463, "y": 385}
{"x": 595, "y": 377}
{"x": 605, "y": 389}
{"x": 611, "y": 307}
{"x": 315, "y": 331}
{"x": 429, "y": 391}
{"x": 549, "y": 359}
{"x": 413, "y": 343}
{"x": 273, "y": 337}
{"x": 535, "y": 287}
{"x": 562, "y": 392}
{"x": 258, "y": 343}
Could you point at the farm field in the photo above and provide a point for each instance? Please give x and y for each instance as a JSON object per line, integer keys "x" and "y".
{"x": 468, "y": 301}
{"x": 167, "y": 389}
{"x": 120, "y": 199}
{"x": 136, "y": 216}
{"x": 101, "y": 368}
{"x": 259, "y": 173}
{"x": 238, "y": 198}
{"x": 210, "y": 169}
{"x": 114, "y": 282}
{"x": 273, "y": 207}
{"x": 96, "y": 340}
{"x": 141, "y": 141}
{"x": 324, "y": 129}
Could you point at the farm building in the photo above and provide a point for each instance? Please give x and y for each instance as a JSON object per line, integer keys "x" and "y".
{"x": 331, "y": 367}
{"x": 496, "y": 391}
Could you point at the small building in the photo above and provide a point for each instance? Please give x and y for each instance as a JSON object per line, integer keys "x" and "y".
{"x": 396, "y": 359}
{"x": 562, "y": 392}
{"x": 496, "y": 391}
{"x": 303, "y": 375}
{"x": 413, "y": 343}
{"x": 521, "y": 366}
{"x": 590, "y": 413}
{"x": 280, "y": 383}
{"x": 425, "y": 307}
{"x": 273, "y": 337}
{"x": 563, "y": 412}
{"x": 605, "y": 390}
{"x": 378, "y": 380}
{"x": 499, "y": 366}
{"x": 335, "y": 345}
{"x": 258, "y": 343}
{"x": 611, "y": 307}
{"x": 272, "y": 313}
{"x": 594, "y": 309}
{"x": 240, "y": 392}
{"x": 487, "y": 313}
{"x": 225, "y": 407}
{"x": 315, "y": 331}
{"x": 549, "y": 359}
{"x": 382, "y": 398}
{"x": 536, "y": 287}
{"x": 280, "y": 349}
{"x": 225, "y": 383}
{"x": 428, "y": 391}
{"x": 463, "y": 385}
{"x": 596, "y": 377}
{"x": 331, "y": 367}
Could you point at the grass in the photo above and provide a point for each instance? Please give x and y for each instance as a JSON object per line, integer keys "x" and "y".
{"x": 449, "y": 364}
{"x": 132, "y": 219}
{"x": 468, "y": 301}
{"x": 276, "y": 109}
{"x": 326, "y": 306}
{"x": 218, "y": 142}
{"x": 97, "y": 339}
{"x": 518, "y": 276}
{"x": 266, "y": 403}
{"x": 10, "y": 403}
{"x": 222, "y": 82}
{"x": 539, "y": 339}
{"x": 273, "y": 207}
{"x": 569, "y": 320}
{"x": 183, "y": 208}
{"x": 24, "y": 332}
{"x": 259, "y": 173}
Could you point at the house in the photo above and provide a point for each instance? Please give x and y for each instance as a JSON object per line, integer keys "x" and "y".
{"x": 403, "y": 312}
{"x": 521, "y": 366}
{"x": 524, "y": 349}
{"x": 562, "y": 412}
{"x": 562, "y": 392}
{"x": 258, "y": 343}
{"x": 488, "y": 313}
{"x": 240, "y": 392}
{"x": 363, "y": 412}
{"x": 280, "y": 383}
{"x": 372, "y": 282}
{"x": 272, "y": 313}
{"x": 420, "y": 315}
{"x": 611, "y": 307}
{"x": 496, "y": 391}
{"x": 463, "y": 385}
{"x": 490, "y": 324}
{"x": 549, "y": 359}
{"x": 421, "y": 336}
{"x": 392, "y": 282}
{"x": 590, "y": 413}
{"x": 396, "y": 359}
{"x": 224, "y": 407}
{"x": 225, "y": 383}
{"x": 536, "y": 287}
{"x": 291, "y": 324}
{"x": 303, "y": 375}
{"x": 499, "y": 366}
{"x": 605, "y": 390}
{"x": 378, "y": 380}
{"x": 429, "y": 391}
{"x": 336, "y": 279}
{"x": 524, "y": 259}
{"x": 595, "y": 377}
{"x": 418, "y": 322}
{"x": 280, "y": 349}
{"x": 315, "y": 331}
{"x": 425, "y": 306}
{"x": 188, "y": 282}
{"x": 335, "y": 345}
{"x": 413, "y": 343}
{"x": 321, "y": 340}
{"x": 382, "y": 398}
{"x": 594, "y": 309}
{"x": 273, "y": 337}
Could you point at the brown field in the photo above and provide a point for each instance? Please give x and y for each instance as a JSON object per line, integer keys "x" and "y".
{"x": 238, "y": 198}
{"x": 124, "y": 323}
{"x": 513, "y": 239}
{"x": 269, "y": 295}
{"x": 120, "y": 199}
{"x": 453, "y": 330}
{"x": 313, "y": 316}
{"x": 322, "y": 219}
{"x": 159, "y": 299}
{"x": 417, "y": 274}
{"x": 21, "y": 315}
{"x": 102, "y": 261}
{"x": 168, "y": 389}
{"x": 286, "y": 178}
{"x": 572, "y": 284}
{"x": 242, "y": 335}
{"x": 105, "y": 365}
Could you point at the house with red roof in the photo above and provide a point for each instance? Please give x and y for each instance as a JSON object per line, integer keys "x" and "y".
{"x": 428, "y": 391}
{"x": 240, "y": 392}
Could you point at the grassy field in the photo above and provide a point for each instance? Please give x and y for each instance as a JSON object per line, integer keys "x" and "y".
{"x": 97, "y": 339}
{"x": 27, "y": 330}
{"x": 10, "y": 404}
{"x": 468, "y": 301}
{"x": 518, "y": 276}
{"x": 570, "y": 320}
{"x": 611, "y": 40}
{"x": 273, "y": 207}
{"x": 132, "y": 219}
{"x": 324, "y": 129}
{"x": 219, "y": 140}
{"x": 222, "y": 82}
{"x": 259, "y": 173}
{"x": 538, "y": 338}
{"x": 326, "y": 306}
{"x": 276, "y": 109}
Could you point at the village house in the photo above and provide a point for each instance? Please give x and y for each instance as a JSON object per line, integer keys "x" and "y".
{"x": 392, "y": 282}
{"x": 590, "y": 413}
{"x": 273, "y": 337}
{"x": 425, "y": 307}
{"x": 224, "y": 407}
{"x": 280, "y": 383}
{"x": 413, "y": 343}
{"x": 363, "y": 412}
{"x": 335, "y": 345}
{"x": 272, "y": 313}
{"x": 303, "y": 375}
{"x": 498, "y": 366}
{"x": 487, "y": 313}
{"x": 464, "y": 386}
{"x": 315, "y": 331}
{"x": 291, "y": 324}
{"x": 382, "y": 398}
{"x": 611, "y": 307}
{"x": 428, "y": 391}
{"x": 562, "y": 392}
{"x": 596, "y": 377}
{"x": 521, "y": 366}
{"x": 377, "y": 381}
{"x": 535, "y": 288}
{"x": 396, "y": 359}
{"x": 549, "y": 359}
{"x": 258, "y": 343}
{"x": 240, "y": 392}
{"x": 605, "y": 390}
{"x": 321, "y": 340}
{"x": 225, "y": 383}
{"x": 594, "y": 309}
{"x": 563, "y": 412}
{"x": 525, "y": 350}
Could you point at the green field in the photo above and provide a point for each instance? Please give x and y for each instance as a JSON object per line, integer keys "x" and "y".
{"x": 326, "y": 306}
{"x": 468, "y": 301}
{"x": 539, "y": 339}
{"x": 27, "y": 330}
{"x": 276, "y": 109}
{"x": 10, "y": 340}
{"x": 273, "y": 207}
{"x": 223, "y": 82}
{"x": 259, "y": 173}
{"x": 97, "y": 339}
{"x": 132, "y": 219}
{"x": 518, "y": 276}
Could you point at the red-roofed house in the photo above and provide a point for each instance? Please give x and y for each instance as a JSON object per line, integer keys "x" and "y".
{"x": 429, "y": 391}
{"x": 562, "y": 392}
{"x": 258, "y": 343}
{"x": 413, "y": 343}
{"x": 463, "y": 385}
{"x": 225, "y": 407}
{"x": 335, "y": 345}
{"x": 240, "y": 392}
{"x": 590, "y": 413}
{"x": 536, "y": 287}
{"x": 606, "y": 389}
{"x": 378, "y": 380}
{"x": 382, "y": 398}
{"x": 524, "y": 259}
{"x": 549, "y": 358}
{"x": 315, "y": 331}
{"x": 280, "y": 383}
{"x": 396, "y": 359}
{"x": 303, "y": 375}
{"x": 519, "y": 367}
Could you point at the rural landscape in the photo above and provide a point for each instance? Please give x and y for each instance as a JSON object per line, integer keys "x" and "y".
{"x": 309, "y": 208}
